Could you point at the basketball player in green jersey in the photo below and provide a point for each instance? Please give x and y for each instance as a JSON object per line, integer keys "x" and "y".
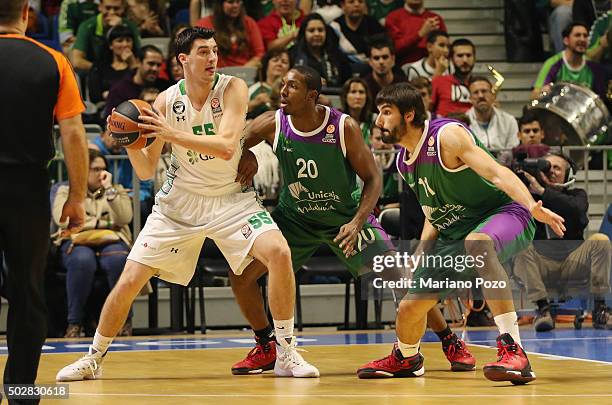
{"x": 467, "y": 197}
{"x": 320, "y": 152}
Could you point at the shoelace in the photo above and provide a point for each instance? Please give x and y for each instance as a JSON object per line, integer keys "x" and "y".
{"x": 294, "y": 356}
{"x": 93, "y": 369}
{"x": 504, "y": 351}
{"x": 258, "y": 350}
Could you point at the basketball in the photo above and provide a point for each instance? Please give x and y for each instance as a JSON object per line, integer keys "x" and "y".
{"x": 123, "y": 124}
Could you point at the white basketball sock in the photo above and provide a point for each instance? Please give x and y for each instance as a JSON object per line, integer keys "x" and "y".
{"x": 101, "y": 343}
{"x": 283, "y": 329}
{"x": 408, "y": 350}
{"x": 507, "y": 323}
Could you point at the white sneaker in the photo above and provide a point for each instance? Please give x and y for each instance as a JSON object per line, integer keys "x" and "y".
{"x": 289, "y": 363}
{"x": 88, "y": 367}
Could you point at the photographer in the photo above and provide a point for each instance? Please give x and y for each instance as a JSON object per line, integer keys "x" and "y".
{"x": 555, "y": 263}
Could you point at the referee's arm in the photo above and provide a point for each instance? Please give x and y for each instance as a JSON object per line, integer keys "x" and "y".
{"x": 68, "y": 111}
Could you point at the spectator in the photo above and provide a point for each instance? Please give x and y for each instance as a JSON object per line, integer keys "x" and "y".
{"x": 91, "y": 44}
{"x": 559, "y": 18}
{"x": 108, "y": 207}
{"x": 423, "y": 85}
{"x": 72, "y": 14}
{"x": 109, "y": 71}
{"x": 354, "y": 28}
{"x": 380, "y": 9}
{"x": 381, "y": 57}
{"x": 436, "y": 62}
{"x": 176, "y": 72}
{"x": 449, "y": 93}
{"x": 317, "y": 47}
{"x": 146, "y": 19}
{"x": 280, "y": 28}
{"x": 409, "y": 27}
{"x": 122, "y": 172}
{"x": 199, "y": 9}
{"x": 531, "y": 135}
{"x": 146, "y": 75}
{"x": 357, "y": 102}
{"x": 495, "y": 128}
{"x": 164, "y": 71}
{"x": 571, "y": 65}
{"x": 599, "y": 37}
{"x": 237, "y": 35}
{"x": 555, "y": 264}
{"x": 273, "y": 67}
{"x": 385, "y": 162}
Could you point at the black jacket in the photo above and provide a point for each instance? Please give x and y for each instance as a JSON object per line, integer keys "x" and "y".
{"x": 572, "y": 205}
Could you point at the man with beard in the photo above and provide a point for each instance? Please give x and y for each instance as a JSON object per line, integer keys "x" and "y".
{"x": 354, "y": 28}
{"x": 571, "y": 65}
{"x": 495, "y": 128}
{"x": 146, "y": 75}
{"x": 467, "y": 198}
{"x": 449, "y": 93}
{"x": 321, "y": 152}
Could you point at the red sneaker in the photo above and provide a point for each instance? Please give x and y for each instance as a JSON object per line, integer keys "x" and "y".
{"x": 261, "y": 358}
{"x": 458, "y": 354}
{"x": 394, "y": 365}
{"x": 512, "y": 363}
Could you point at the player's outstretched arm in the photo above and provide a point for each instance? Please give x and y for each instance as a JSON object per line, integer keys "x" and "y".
{"x": 145, "y": 160}
{"x": 262, "y": 128}
{"x": 362, "y": 161}
{"x": 457, "y": 146}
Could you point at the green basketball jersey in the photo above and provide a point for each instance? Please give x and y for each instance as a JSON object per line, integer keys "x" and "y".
{"x": 454, "y": 200}
{"x": 319, "y": 186}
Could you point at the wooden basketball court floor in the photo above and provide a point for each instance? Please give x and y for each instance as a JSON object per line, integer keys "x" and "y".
{"x": 195, "y": 369}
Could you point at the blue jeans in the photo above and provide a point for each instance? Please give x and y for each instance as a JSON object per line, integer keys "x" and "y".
{"x": 560, "y": 17}
{"x": 81, "y": 265}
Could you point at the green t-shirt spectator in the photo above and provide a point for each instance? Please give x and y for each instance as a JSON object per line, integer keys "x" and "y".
{"x": 72, "y": 14}
{"x": 255, "y": 90}
{"x": 556, "y": 69}
{"x": 91, "y": 38}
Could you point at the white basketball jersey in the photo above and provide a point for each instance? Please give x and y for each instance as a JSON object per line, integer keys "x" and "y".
{"x": 189, "y": 170}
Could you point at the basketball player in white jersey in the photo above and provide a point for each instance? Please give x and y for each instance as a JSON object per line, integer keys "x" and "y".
{"x": 203, "y": 117}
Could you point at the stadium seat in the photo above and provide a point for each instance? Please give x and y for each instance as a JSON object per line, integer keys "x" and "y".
{"x": 160, "y": 42}
{"x": 246, "y": 73}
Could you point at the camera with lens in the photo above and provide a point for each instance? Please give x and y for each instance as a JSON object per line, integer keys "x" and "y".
{"x": 529, "y": 165}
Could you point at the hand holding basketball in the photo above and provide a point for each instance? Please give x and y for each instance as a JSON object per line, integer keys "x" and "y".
{"x": 155, "y": 125}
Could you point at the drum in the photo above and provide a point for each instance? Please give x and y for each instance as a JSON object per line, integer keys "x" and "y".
{"x": 572, "y": 115}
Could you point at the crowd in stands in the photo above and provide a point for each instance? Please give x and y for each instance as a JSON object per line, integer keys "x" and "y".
{"x": 358, "y": 47}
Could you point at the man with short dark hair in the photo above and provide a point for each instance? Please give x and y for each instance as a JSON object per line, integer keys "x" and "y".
{"x": 449, "y": 93}
{"x": 494, "y": 127}
{"x": 146, "y": 75}
{"x": 530, "y": 134}
{"x": 409, "y": 26}
{"x": 38, "y": 87}
{"x": 91, "y": 43}
{"x": 469, "y": 198}
{"x": 571, "y": 65}
{"x": 381, "y": 57}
